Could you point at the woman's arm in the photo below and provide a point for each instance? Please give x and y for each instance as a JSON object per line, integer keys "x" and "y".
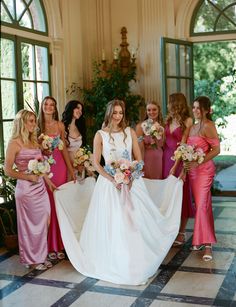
{"x": 65, "y": 151}
{"x": 135, "y": 146}
{"x": 210, "y": 132}
{"x": 139, "y": 133}
{"x": 12, "y": 150}
{"x": 97, "y": 153}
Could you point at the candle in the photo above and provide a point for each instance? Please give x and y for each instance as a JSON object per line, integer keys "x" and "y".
{"x": 115, "y": 54}
{"x": 103, "y": 55}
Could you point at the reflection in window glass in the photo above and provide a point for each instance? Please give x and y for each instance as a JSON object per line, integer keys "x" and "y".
{"x": 7, "y": 132}
{"x": 8, "y": 96}
{"x": 27, "y": 58}
{"x": 37, "y": 13}
{"x": 20, "y": 6}
{"x": 184, "y": 54}
{"x": 184, "y": 88}
{"x": 10, "y": 6}
{"x": 171, "y": 86}
{"x": 4, "y": 15}
{"x": 171, "y": 60}
{"x": 26, "y": 21}
{"x": 29, "y": 92}
{"x": 7, "y": 58}
{"x": 41, "y": 63}
{"x": 42, "y": 90}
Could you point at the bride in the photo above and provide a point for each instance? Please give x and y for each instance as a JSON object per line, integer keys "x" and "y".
{"x": 119, "y": 242}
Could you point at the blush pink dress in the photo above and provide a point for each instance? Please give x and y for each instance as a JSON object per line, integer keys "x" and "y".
{"x": 33, "y": 211}
{"x": 59, "y": 171}
{"x": 152, "y": 158}
{"x": 201, "y": 179}
{"x": 171, "y": 143}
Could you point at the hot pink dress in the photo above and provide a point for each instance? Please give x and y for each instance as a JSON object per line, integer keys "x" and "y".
{"x": 33, "y": 211}
{"x": 152, "y": 158}
{"x": 201, "y": 179}
{"x": 172, "y": 141}
{"x": 59, "y": 171}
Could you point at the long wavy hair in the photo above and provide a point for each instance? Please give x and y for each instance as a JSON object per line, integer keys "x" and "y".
{"x": 204, "y": 105}
{"x": 19, "y": 130}
{"x": 108, "y": 117}
{"x": 67, "y": 117}
{"x": 178, "y": 109}
{"x": 159, "y": 117}
{"x": 41, "y": 117}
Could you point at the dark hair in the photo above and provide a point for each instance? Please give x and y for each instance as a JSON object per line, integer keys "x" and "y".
{"x": 204, "y": 104}
{"x": 41, "y": 118}
{"x": 67, "y": 116}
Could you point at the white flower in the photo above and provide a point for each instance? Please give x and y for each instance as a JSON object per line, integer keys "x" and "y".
{"x": 32, "y": 165}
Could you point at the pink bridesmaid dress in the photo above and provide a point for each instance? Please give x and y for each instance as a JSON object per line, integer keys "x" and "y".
{"x": 59, "y": 171}
{"x": 171, "y": 143}
{"x": 201, "y": 179}
{"x": 152, "y": 158}
{"x": 33, "y": 211}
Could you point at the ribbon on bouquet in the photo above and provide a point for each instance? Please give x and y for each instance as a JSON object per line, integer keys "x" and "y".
{"x": 127, "y": 203}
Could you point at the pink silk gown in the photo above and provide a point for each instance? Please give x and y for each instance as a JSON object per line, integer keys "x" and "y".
{"x": 59, "y": 171}
{"x": 152, "y": 158}
{"x": 171, "y": 143}
{"x": 33, "y": 211}
{"x": 201, "y": 179}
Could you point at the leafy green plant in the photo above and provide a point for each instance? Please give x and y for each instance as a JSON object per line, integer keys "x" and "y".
{"x": 108, "y": 85}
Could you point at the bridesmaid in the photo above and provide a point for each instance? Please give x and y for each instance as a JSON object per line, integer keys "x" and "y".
{"x": 32, "y": 202}
{"x": 50, "y": 125}
{"x": 203, "y": 134}
{"x": 75, "y": 128}
{"x": 151, "y": 155}
{"x": 178, "y": 124}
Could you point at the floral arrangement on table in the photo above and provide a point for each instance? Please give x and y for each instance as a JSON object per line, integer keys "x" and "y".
{"x": 123, "y": 170}
{"x": 189, "y": 153}
{"x": 152, "y": 129}
{"x": 50, "y": 143}
{"x": 40, "y": 166}
{"x": 84, "y": 157}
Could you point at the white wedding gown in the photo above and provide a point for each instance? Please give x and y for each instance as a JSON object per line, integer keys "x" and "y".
{"x": 116, "y": 243}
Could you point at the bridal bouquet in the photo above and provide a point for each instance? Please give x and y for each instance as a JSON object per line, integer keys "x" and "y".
{"x": 50, "y": 143}
{"x": 154, "y": 129}
{"x": 84, "y": 157}
{"x": 40, "y": 167}
{"x": 124, "y": 170}
{"x": 189, "y": 153}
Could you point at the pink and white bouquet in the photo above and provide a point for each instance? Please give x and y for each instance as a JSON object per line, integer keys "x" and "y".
{"x": 50, "y": 143}
{"x": 124, "y": 170}
{"x": 84, "y": 157}
{"x": 40, "y": 166}
{"x": 154, "y": 129}
{"x": 189, "y": 153}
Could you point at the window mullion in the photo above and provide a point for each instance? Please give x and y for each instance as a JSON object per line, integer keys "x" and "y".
{"x": 19, "y": 84}
{"x": 8, "y": 12}
{"x": 26, "y": 8}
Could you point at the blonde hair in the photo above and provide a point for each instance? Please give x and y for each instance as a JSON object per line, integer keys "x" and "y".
{"x": 159, "y": 117}
{"x": 178, "y": 109}
{"x": 19, "y": 130}
{"x": 108, "y": 117}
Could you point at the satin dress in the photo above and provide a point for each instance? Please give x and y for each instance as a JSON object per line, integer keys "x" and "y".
{"x": 172, "y": 141}
{"x": 125, "y": 237}
{"x": 59, "y": 171}
{"x": 201, "y": 179}
{"x": 75, "y": 144}
{"x": 33, "y": 211}
{"x": 152, "y": 158}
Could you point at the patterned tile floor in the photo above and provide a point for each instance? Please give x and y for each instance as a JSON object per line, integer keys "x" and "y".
{"x": 182, "y": 280}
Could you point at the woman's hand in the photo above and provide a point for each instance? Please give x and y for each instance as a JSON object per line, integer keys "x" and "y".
{"x": 33, "y": 178}
{"x": 190, "y": 165}
{"x": 80, "y": 168}
{"x": 172, "y": 170}
{"x": 117, "y": 185}
{"x": 130, "y": 185}
{"x": 182, "y": 175}
{"x": 50, "y": 184}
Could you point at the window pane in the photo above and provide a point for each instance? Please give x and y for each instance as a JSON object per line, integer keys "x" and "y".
{"x": 7, "y": 58}
{"x": 205, "y": 19}
{"x": 43, "y": 90}
{"x": 26, "y": 21}
{"x": 171, "y": 86}
{"x": 184, "y": 88}
{"x": 20, "y": 6}
{"x": 7, "y": 131}
{"x": 4, "y": 15}
{"x": 29, "y": 93}
{"x": 41, "y": 63}
{"x": 170, "y": 60}
{"x": 10, "y": 6}
{"x": 184, "y": 53}
{"x": 8, "y": 94}
{"x": 38, "y": 16}
{"x": 224, "y": 24}
{"x": 27, "y": 57}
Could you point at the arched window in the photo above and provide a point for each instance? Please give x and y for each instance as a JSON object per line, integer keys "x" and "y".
{"x": 214, "y": 17}
{"x": 25, "y": 74}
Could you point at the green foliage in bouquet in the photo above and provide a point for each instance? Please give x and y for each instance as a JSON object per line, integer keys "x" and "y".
{"x": 112, "y": 84}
